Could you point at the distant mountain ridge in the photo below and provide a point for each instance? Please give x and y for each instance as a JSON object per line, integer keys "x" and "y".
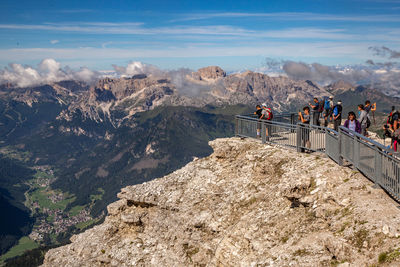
{"x": 118, "y": 98}
{"x": 92, "y": 140}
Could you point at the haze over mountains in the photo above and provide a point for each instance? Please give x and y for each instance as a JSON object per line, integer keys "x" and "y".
{"x": 78, "y": 143}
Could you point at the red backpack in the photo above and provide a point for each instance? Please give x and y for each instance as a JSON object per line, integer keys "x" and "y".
{"x": 270, "y": 114}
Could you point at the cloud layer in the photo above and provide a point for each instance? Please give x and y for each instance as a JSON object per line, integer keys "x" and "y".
{"x": 47, "y": 71}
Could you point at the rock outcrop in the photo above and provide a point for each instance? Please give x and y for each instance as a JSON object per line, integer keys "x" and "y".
{"x": 247, "y": 204}
{"x": 208, "y": 73}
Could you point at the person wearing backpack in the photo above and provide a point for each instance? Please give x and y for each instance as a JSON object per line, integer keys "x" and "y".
{"x": 395, "y": 136}
{"x": 337, "y": 115}
{"x": 328, "y": 105}
{"x": 258, "y": 113}
{"x": 370, "y": 108}
{"x": 363, "y": 119}
{"x": 317, "y": 108}
{"x": 266, "y": 114}
{"x": 393, "y": 117}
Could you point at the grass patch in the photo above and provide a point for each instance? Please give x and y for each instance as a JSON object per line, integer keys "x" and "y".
{"x": 99, "y": 196}
{"x": 344, "y": 226}
{"x": 389, "y": 256}
{"x": 278, "y": 167}
{"x": 301, "y": 252}
{"x": 313, "y": 184}
{"x": 41, "y": 196}
{"x": 24, "y": 244}
{"x": 75, "y": 210}
{"x": 359, "y": 237}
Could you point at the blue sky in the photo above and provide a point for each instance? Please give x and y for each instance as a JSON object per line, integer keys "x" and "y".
{"x": 172, "y": 34}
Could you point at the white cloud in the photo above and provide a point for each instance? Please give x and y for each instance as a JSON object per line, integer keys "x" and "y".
{"x": 264, "y": 49}
{"x": 47, "y": 71}
{"x": 136, "y": 67}
{"x": 292, "y": 16}
{"x": 54, "y": 41}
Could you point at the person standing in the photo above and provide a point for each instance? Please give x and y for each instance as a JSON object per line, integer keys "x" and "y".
{"x": 315, "y": 109}
{"x": 328, "y": 105}
{"x": 258, "y": 113}
{"x": 370, "y": 109}
{"x": 363, "y": 118}
{"x": 305, "y": 131}
{"x": 337, "y": 115}
{"x": 266, "y": 114}
{"x": 352, "y": 123}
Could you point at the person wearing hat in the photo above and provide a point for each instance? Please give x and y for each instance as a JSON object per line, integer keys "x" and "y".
{"x": 337, "y": 115}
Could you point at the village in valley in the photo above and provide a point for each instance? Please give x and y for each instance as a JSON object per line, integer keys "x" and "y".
{"x": 48, "y": 207}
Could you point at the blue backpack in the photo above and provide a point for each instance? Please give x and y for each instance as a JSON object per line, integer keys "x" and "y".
{"x": 335, "y": 110}
{"x": 327, "y": 104}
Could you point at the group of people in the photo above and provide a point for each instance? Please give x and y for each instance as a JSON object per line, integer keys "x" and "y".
{"x": 325, "y": 108}
{"x": 331, "y": 112}
{"x": 392, "y": 128}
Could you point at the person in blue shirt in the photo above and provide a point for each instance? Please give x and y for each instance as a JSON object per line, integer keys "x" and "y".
{"x": 315, "y": 109}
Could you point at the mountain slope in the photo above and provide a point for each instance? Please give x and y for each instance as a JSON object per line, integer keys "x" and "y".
{"x": 246, "y": 204}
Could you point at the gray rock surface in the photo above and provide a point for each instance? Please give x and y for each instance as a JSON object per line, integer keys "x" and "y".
{"x": 247, "y": 204}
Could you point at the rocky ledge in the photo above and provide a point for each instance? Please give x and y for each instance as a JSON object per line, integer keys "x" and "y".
{"x": 247, "y": 204}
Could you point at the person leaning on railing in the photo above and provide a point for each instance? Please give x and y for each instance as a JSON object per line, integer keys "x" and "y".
{"x": 352, "y": 123}
{"x": 305, "y": 132}
{"x": 258, "y": 112}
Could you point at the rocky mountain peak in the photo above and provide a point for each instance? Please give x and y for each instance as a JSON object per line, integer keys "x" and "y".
{"x": 247, "y": 204}
{"x": 340, "y": 86}
{"x": 209, "y": 73}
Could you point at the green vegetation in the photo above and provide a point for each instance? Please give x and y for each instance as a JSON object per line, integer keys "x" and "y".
{"x": 25, "y": 243}
{"x": 359, "y": 237}
{"x": 99, "y": 196}
{"x": 42, "y": 197}
{"x": 301, "y": 252}
{"x": 75, "y": 210}
{"x": 389, "y": 256}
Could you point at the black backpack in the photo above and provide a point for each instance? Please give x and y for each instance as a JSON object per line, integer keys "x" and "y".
{"x": 321, "y": 106}
{"x": 393, "y": 117}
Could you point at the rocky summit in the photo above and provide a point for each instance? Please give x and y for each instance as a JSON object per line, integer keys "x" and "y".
{"x": 247, "y": 204}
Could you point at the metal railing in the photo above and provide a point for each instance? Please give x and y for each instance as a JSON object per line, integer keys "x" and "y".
{"x": 372, "y": 159}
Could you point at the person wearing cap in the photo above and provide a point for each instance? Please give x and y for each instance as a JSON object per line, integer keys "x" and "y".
{"x": 337, "y": 115}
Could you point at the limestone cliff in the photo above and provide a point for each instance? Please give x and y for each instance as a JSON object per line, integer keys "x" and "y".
{"x": 247, "y": 204}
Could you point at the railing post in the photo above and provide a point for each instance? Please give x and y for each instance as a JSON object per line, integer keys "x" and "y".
{"x": 298, "y": 138}
{"x": 263, "y": 132}
{"x": 340, "y": 160}
{"x": 378, "y": 167}
{"x": 356, "y": 153}
{"x": 236, "y": 126}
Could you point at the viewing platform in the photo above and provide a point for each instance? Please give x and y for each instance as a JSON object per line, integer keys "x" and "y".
{"x": 374, "y": 160}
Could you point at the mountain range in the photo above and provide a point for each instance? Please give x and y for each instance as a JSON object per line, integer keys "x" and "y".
{"x": 76, "y": 145}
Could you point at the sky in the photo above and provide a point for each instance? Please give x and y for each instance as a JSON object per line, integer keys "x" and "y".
{"x": 234, "y": 34}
